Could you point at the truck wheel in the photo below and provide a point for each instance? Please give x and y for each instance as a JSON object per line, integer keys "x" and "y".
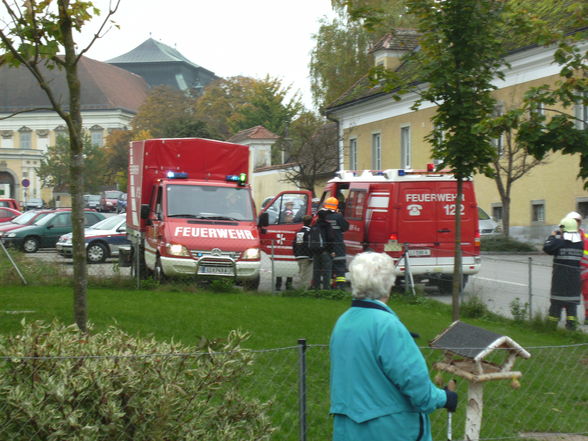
{"x": 251, "y": 285}
{"x": 30, "y": 245}
{"x": 96, "y": 253}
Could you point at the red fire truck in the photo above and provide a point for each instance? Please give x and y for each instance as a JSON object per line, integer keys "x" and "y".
{"x": 190, "y": 210}
{"x": 408, "y": 214}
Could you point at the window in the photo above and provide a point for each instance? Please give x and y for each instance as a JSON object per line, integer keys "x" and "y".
{"x": 582, "y": 207}
{"x": 353, "y": 154}
{"x": 62, "y": 220}
{"x": 498, "y": 142}
{"x": 97, "y": 136}
{"x": 6, "y": 139}
{"x": 538, "y": 108}
{"x": 497, "y": 211}
{"x": 25, "y": 138}
{"x": 538, "y": 211}
{"x": 355, "y": 204}
{"x": 581, "y": 113}
{"x": 376, "y": 152}
{"x": 405, "y": 149}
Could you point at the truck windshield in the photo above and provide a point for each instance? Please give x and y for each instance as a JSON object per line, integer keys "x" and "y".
{"x": 208, "y": 202}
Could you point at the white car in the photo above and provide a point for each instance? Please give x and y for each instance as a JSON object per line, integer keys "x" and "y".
{"x": 103, "y": 239}
{"x": 486, "y": 224}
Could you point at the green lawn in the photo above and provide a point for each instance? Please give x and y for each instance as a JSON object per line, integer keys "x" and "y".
{"x": 273, "y": 321}
{"x": 553, "y": 377}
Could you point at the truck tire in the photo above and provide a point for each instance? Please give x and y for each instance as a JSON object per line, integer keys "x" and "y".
{"x": 96, "y": 253}
{"x": 30, "y": 244}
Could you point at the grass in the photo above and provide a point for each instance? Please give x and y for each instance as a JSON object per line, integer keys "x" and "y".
{"x": 185, "y": 313}
{"x": 273, "y": 321}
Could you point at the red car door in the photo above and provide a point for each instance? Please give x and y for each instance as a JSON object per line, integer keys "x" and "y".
{"x": 283, "y": 216}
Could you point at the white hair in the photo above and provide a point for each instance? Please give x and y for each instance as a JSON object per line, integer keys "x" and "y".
{"x": 371, "y": 275}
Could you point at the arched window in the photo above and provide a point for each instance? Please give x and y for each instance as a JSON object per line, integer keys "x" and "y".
{"x": 25, "y": 136}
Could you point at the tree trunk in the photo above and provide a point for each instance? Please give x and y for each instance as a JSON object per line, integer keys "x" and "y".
{"x": 74, "y": 123}
{"x": 506, "y": 216}
{"x": 457, "y": 267}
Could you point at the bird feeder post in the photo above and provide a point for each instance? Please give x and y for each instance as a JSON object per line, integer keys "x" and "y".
{"x": 475, "y": 407}
{"x": 464, "y": 347}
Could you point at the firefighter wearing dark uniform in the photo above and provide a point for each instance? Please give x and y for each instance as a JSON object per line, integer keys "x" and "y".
{"x": 567, "y": 248}
{"x": 340, "y": 226}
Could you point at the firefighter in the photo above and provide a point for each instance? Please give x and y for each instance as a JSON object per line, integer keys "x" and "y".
{"x": 566, "y": 247}
{"x": 584, "y": 262}
{"x": 340, "y": 226}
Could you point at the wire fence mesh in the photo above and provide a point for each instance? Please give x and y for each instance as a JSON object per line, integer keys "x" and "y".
{"x": 552, "y": 399}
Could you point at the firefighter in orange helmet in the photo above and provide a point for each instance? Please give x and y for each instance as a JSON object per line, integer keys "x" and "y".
{"x": 340, "y": 226}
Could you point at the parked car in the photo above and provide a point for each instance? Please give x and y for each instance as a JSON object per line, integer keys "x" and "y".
{"x": 7, "y": 214}
{"x": 45, "y": 232}
{"x": 33, "y": 204}
{"x": 108, "y": 200}
{"x": 26, "y": 218}
{"x": 486, "y": 224}
{"x": 103, "y": 239}
{"x": 9, "y": 202}
{"x": 121, "y": 203}
{"x": 92, "y": 201}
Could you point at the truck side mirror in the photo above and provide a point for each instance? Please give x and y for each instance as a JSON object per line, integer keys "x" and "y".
{"x": 263, "y": 219}
{"x": 144, "y": 211}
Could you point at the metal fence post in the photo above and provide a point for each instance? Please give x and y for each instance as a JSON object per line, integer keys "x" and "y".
{"x": 273, "y": 269}
{"x": 530, "y": 288}
{"x": 302, "y": 388}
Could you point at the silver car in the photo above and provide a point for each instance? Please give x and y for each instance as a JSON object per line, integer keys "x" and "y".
{"x": 486, "y": 224}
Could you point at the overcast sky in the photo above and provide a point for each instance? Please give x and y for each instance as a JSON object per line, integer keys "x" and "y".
{"x": 229, "y": 37}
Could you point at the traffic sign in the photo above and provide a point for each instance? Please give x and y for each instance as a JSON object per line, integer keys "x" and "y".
{"x": 25, "y": 182}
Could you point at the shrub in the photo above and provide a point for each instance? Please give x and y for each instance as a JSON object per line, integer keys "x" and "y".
{"x": 503, "y": 243}
{"x": 59, "y": 384}
{"x": 474, "y": 307}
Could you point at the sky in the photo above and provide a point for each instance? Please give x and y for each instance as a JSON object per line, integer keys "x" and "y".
{"x": 228, "y": 37}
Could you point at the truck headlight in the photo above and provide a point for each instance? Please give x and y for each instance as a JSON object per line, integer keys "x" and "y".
{"x": 250, "y": 254}
{"x": 176, "y": 249}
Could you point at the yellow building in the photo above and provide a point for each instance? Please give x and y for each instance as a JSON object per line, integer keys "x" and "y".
{"x": 110, "y": 98}
{"x": 377, "y": 132}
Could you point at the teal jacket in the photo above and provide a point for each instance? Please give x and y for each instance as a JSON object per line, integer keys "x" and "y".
{"x": 377, "y": 369}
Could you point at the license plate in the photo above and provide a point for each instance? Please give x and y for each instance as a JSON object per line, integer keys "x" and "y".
{"x": 418, "y": 253}
{"x": 222, "y": 270}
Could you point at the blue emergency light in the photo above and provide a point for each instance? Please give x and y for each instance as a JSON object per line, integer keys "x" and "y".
{"x": 241, "y": 179}
{"x": 401, "y": 172}
{"x": 177, "y": 175}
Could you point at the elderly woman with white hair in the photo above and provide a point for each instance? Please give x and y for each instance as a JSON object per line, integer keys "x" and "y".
{"x": 380, "y": 384}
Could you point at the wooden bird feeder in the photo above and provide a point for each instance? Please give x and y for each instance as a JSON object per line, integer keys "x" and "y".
{"x": 465, "y": 349}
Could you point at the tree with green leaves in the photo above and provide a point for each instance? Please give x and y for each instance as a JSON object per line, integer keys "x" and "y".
{"x": 512, "y": 161}
{"x": 32, "y": 34}
{"x": 341, "y": 53}
{"x": 461, "y": 54}
{"x": 55, "y": 165}
{"x": 312, "y": 146}
{"x": 168, "y": 113}
{"x": 562, "y": 125}
{"x": 237, "y": 103}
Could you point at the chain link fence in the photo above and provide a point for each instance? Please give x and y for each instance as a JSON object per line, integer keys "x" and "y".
{"x": 294, "y": 381}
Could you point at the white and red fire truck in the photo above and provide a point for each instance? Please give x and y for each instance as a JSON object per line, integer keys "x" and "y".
{"x": 190, "y": 211}
{"x": 409, "y": 214}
